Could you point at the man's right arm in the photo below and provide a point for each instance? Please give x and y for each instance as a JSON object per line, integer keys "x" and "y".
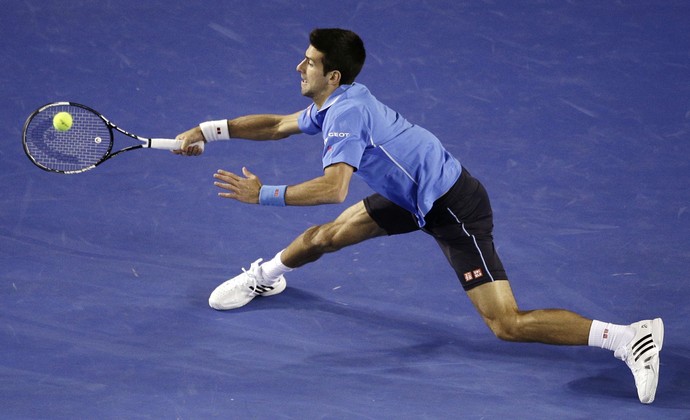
{"x": 264, "y": 126}
{"x": 250, "y": 127}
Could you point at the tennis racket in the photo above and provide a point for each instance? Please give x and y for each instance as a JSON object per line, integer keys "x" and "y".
{"x": 81, "y": 145}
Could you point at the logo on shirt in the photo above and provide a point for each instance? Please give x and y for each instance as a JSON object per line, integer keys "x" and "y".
{"x": 337, "y": 134}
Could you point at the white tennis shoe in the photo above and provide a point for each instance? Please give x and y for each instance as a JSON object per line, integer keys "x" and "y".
{"x": 642, "y": 357}
{"x": 241, "y": 289}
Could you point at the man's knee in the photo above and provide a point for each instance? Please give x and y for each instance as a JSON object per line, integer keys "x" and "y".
{"x": 353, "y": 226}
{"x": 323, "y": 238}
{"x": 506, "y": 327}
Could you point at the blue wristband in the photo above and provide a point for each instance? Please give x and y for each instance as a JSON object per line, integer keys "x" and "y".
{"x": 272, "y": 195}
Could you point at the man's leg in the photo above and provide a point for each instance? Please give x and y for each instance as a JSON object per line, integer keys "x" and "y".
{"x": 496, "y": 304}
{"x": 354, "y": 225}
{"x": 638, "y": 344}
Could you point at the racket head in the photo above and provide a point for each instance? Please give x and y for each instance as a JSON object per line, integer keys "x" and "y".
{"x": 83, "y": 146}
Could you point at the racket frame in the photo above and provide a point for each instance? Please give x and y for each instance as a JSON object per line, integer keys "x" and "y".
{"x": 149, "y": 143}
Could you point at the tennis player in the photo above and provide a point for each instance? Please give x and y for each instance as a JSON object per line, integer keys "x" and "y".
{"x": 418, "y": 184}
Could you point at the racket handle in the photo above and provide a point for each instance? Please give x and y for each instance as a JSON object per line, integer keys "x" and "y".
{"x": 170, "y": 144}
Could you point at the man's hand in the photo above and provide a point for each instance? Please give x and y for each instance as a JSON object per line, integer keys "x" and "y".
{"x": 190, "y": 139}
{"x": 241, "y": 188}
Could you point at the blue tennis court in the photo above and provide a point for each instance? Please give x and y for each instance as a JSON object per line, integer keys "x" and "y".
{"x": 575, "y": 116}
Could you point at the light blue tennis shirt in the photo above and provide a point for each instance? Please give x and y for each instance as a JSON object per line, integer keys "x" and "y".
{"x": 401, "y": 161}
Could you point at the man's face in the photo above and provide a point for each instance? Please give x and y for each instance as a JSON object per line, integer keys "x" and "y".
{"x": 315, "y": 84}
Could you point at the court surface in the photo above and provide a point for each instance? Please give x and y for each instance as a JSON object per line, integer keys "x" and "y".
{"x": 575, "y": 115}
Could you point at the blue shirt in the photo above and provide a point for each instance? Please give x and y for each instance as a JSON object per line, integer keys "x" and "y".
{"x": 401, "y": 161}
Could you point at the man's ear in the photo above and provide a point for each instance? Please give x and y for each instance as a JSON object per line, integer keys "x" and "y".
{"x": 335, "y": 77}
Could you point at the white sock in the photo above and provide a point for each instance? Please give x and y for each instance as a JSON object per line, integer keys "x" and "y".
{"x": 610, "y": 336}
{"x": 273, "y": 269}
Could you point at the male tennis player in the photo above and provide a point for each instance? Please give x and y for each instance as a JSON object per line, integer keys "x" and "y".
{"x": 418, "y": 185}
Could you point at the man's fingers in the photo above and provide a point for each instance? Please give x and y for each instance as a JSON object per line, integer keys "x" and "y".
{"x": 226, "y": 176}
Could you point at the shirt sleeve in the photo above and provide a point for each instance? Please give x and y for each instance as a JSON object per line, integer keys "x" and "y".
{"x": 307, "y": 122}
{"x": 345, "y": 139}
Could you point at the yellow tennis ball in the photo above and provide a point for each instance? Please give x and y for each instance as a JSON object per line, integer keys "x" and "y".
{"x": 62, "y": 121}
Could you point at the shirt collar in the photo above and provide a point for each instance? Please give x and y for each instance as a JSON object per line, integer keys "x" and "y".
{"x": 335, "y": 96}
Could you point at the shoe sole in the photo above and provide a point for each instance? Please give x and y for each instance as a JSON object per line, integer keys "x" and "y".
{"x": 658, "y": 328}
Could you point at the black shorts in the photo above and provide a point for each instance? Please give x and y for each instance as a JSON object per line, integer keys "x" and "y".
{"x": 461, "y": 221}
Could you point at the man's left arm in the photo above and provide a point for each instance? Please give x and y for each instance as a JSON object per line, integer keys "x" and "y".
{"x": 330, "y": 188}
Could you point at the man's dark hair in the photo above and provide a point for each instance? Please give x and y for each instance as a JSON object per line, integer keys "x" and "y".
{"x": 343, "y": 50}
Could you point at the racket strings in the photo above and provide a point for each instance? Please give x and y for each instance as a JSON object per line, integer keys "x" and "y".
{"x": 85, "y": 144}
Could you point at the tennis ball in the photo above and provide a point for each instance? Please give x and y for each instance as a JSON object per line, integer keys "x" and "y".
{"x": 62, "y": 121}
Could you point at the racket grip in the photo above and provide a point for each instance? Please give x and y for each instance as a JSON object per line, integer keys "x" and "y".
{"x": 170, "y": 144}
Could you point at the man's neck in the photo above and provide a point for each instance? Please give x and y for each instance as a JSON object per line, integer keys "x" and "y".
{"x": 321, "y": 100}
